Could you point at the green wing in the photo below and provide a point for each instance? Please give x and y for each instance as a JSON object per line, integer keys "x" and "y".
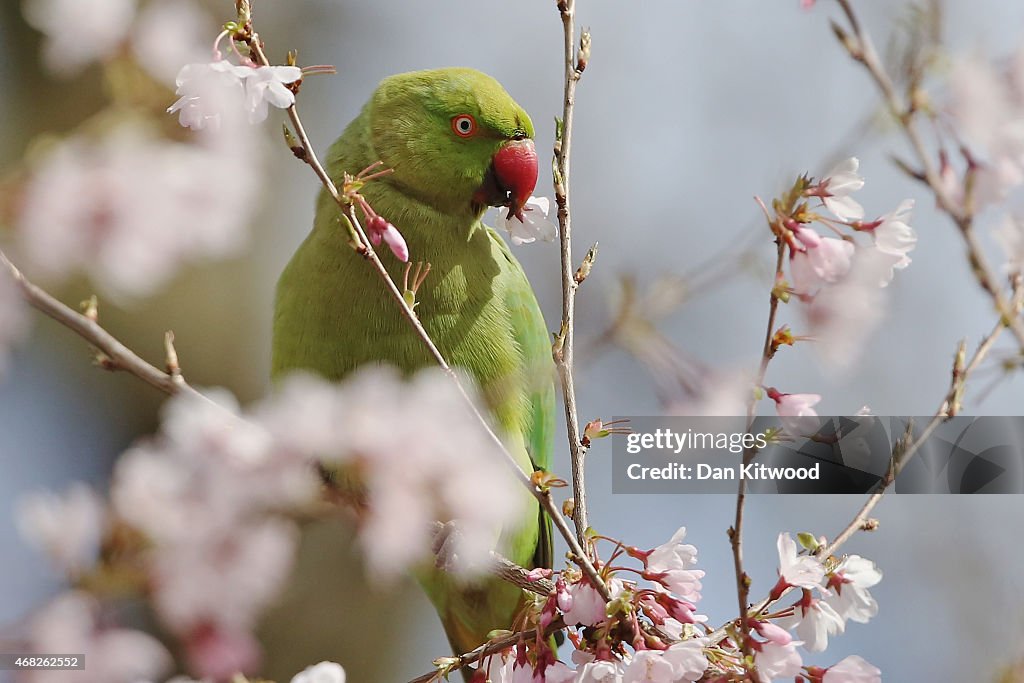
{"x": 533, "y": 338}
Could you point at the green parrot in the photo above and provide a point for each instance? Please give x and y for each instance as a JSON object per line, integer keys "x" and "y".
{"x": 457, "y": 143}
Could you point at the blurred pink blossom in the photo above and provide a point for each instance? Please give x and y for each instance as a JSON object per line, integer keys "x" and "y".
{"x": 79, "y": 32}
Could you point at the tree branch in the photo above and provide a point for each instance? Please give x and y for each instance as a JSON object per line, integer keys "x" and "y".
{"x": 861, "y": 48}
{"x": 563, "y": 348}
{"x": 115, "y": 355}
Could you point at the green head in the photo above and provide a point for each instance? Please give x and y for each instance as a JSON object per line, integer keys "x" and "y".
{"x": 455, "y": 139}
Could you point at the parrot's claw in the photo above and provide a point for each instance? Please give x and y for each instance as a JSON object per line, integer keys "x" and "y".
{"x": 445, "y": 544}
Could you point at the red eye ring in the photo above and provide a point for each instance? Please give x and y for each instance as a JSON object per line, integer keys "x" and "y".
{"x": 464, "y": 125}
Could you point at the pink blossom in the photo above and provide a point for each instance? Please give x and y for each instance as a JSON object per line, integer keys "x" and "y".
{"x": 68, "y": 528}
{"x": 796, "y": 411}
{"x": 134, "y": 207}
{"x": 818, "y": 260}
{"x": 79, "y": 32}
{"x": 71, "y": 622}
{"x": 842, "y": 317}
{"x": 852, "y": 669}
{"x": 378, "y": 229}
{"x": 587, "y": 605}
{"x": 219, "y": 654}
{"x": 777, "y": 661}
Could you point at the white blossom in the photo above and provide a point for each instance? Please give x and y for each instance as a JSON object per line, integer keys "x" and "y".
{"x": 895, "y": 238}
{"x": 839, "y": 184}
{"x": 535, "y": 225}
{"x": 210, "y": 92}
{"x": 324, "y": 672}
{"x": 673, "y": 554}
{"x": 778, "y": 661}
{"x": 850, "y": 583}
{"x": 688, "y": 659}
{"x": 815, "y": 621}
{"x": 68, "y": 528}
{"x": 802, "y": 571}
{"x": 79, "y": 32}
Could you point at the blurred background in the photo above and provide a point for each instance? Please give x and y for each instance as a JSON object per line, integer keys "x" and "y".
{"x": 686, "y": 111}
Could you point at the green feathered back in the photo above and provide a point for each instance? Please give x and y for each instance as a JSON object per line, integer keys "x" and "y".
{"x": 333, "y": 313}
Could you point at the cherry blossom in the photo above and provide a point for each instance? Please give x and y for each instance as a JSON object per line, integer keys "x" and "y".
{"x": 378, "y": 229}
{"x": 134, "y": 207}
{"x": 800, "y": 571}
{"x": 79, "y": 32}
{"x": 815, "y": 260}
{"x": 68, "y": 527}
{"x": 72, "y": 622}
{"x": 852, "y": 669}
{"x": 796, "y": 411}
{"x": 649, "y": 666}
{"x": 166, "y": 35}
{"x": 894, "y": 237}
{"x": 836, "y": 187}
{"x": 324, "y": 672}
{"x": 777, "y": 661}
{"x": 849, "y": 583}
{"x": 842, "y": 317}
{"x": 535, "y": 225}
{"x": 265, "y": 86}
{"x": 673, "y": 554}
{"x": 815, "y": 620}
{"x": 687, "y": 659}
{"x": 208, "y": 92}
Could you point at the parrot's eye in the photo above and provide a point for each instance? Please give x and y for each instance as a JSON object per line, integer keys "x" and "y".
{"x": 464, "y": 125}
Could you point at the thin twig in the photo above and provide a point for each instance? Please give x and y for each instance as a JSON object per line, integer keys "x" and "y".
{"x": 489, "y": 648}
{"x": 577, "y": 553}
{"x": 861, "y": 48}
{"x": 116, "y": 356}
{"x": 563, "y": 349}
{"x": 736, "y": 532}
{"x": 956, "y": 388}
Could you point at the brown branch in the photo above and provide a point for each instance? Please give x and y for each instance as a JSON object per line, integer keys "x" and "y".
{"x": 563, "y": 349}
{"x": 115, "y": 355}
{"x": 736, "y": 532}
{"x": 860, "y": 48}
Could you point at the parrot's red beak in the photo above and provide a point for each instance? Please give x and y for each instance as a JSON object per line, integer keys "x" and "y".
{"x": 512, "y": 177}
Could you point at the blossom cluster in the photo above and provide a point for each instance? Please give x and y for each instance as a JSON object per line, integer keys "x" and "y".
{"x": 648, "y": 631}
{"x": 200, "y": 518}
